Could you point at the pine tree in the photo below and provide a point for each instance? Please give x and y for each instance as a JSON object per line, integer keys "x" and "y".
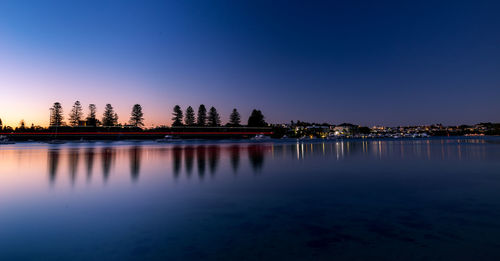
{"x": 235, "y": 119}
{"x": 76, "y": 114}
{"x": 213, "y": 118}
{"x": 56, "y": 115}
{"x": 189, "y": 118}
{"x": 136, "y": 117}
{"x": 177, "y": 119}
{"x": 256, "y": 119}
{"x": 91, "y": 118}
{"x": 202, "y": 116}
{"x": 109, "y": 117}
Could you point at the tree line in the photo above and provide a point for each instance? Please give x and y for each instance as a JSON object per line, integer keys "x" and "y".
{"x": 109, "y": 117}
{"x": 203, "y": 118}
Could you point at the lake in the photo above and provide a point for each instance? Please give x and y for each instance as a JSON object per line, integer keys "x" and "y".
{"x": 415, "y": 199}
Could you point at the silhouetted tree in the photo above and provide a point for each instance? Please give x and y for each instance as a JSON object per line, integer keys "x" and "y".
{"x": 177, "y": 119}
{"x": 256, "y": 119}
{"x": 1, "y": 124}
{"x": 189, "y": 118}
{"x": 91, "y": 118}
{"x": 202, "y": 116}
{"x": 364, "y": 130}
{"x": 56, "y": 115}
{"x": 109, "y": 117}
{"x": 22, "y": 125}
{"x": 76, "y": 114}
{"x": 136, "y": 118}
{"x": 234, "y": 118}
{"x": 213, "y": 117}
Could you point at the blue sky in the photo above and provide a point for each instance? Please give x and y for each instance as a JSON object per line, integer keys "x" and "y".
{"x": 365, "y": 62}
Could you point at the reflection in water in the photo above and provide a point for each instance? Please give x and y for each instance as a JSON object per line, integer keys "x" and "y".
{"x": 318, "y": 198}
{"x": 256, "y": 157}
{"x": 234, "y": 153}
{"x": 107, "y": 155}
{"x": 53, "y": 162}
{"x": 89, "y": 161}
{"x": 73, "y": 157}
{"x": 213, "y": 158}
{"x": 189, "y": 159}
{"x": 200, "y": 157}
{"x": 176, "y": 160}
{"x": 135, "y": 162}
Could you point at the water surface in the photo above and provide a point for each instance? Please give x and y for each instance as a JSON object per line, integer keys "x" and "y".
{"x": 421, "y": 199}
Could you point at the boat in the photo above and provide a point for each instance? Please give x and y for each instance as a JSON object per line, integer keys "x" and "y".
{"x": 167, "y": 138}
{"x": 5, "y": 140}
{"x": 260, "y": 137}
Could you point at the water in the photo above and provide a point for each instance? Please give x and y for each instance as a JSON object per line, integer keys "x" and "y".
{"x": 436, "y": 199}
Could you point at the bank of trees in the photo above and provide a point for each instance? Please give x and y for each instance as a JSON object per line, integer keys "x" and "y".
{"x": 211, "y": 118}
{"x": 203, "y": 117}
{"x": 109, "y": 116}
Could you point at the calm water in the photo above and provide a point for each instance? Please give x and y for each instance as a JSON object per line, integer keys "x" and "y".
{"x": 436, "y": 199}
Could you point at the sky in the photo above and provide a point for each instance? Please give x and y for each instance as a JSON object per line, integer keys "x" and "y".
{"x": 364, "y": 62}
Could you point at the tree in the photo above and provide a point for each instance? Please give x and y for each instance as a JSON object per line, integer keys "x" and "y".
{"x": 22, "y": 125}
{"x": 76, "y": 114}
{"x": 177, "y": 116}
{"x": 91, "y": 118}
{"x": 202, "y": 116}
{"x": 109, "y": 117}
{"x": 1, "y": 124}
{"x": 136, "y": 118}
{"x": 364, "y": 130}
{"x": 213, "y": 117}
{"x": 56, "y": 115}
{"x": 256, "y": 119}
{"x": 189, "y": 118}
{"x": 235, "y": 119}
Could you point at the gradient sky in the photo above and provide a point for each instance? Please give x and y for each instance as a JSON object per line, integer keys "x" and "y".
{"x": 371, "y": 63}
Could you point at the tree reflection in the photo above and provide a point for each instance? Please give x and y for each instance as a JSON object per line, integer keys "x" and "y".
{"x": 53, "y": 158}
{"x": 177, "y": 160}
{"x": 89, "y": 161}
{"x": 200, "y": 157}
{"x": 135, "y": 162}
{"x": 73, "y": 157}
{"x": 107, "y": 161}
{"x": 234, "y": 156}
{"x": 256, "y": 157}
{"x": 189, "y": 159}
{"x": 213, "y": 158}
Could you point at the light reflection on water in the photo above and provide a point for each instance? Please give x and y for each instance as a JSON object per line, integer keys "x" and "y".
{"x": 352, "y": 199}
{"x": 184, "y": 159}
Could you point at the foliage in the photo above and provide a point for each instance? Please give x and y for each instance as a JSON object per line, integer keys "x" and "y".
{"x": 109, "y": 117}
{"x": 56, "y": 115}
{"x": 91, "y": 118}
{"x": 213, "y": 118}
{"x": 189, "y": 118}
{"x": 136, "y": 117}
{"x": 76, "y": 114}
{"x": 256, "y": 119}
{"x": 234, "y": 119}
{"x": 364, "y": 130}
{"x": 202, "y": 116}
{"x": 177, "y": 119}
